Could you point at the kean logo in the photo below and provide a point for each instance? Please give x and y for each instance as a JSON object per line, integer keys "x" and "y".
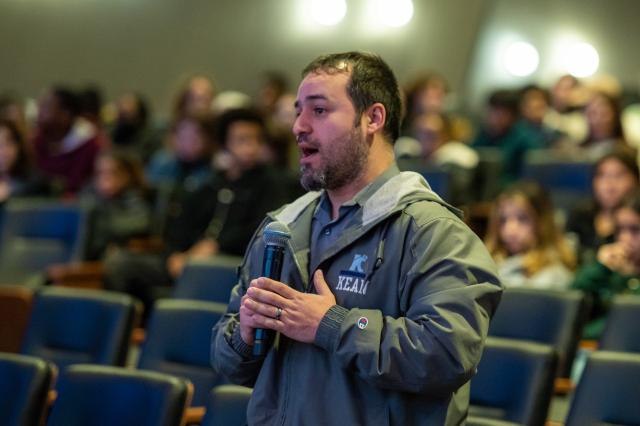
{"x": 353, "y": 280}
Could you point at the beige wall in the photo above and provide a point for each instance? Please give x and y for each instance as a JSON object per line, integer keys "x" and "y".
{"x": 149, "y": 45}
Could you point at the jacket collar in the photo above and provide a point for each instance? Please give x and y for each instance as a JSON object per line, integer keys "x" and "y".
{"x": 399, "y": 191}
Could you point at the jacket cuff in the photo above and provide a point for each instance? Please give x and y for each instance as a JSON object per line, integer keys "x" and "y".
{"x": 329, "y": 329}
{"x": 239, "y": 346}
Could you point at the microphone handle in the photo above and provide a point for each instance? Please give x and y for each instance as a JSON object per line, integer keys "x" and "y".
{"x": 271, "y": 268}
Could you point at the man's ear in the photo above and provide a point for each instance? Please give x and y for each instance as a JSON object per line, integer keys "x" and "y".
{"x": 375, "y": 118}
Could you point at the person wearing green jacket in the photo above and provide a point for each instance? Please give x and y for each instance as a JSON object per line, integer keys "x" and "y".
{"x": 617, "y": 268}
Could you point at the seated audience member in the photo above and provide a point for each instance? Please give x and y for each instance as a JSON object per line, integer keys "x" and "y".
{"x": 189, "y": 156}
{"x": 502, "y": 130}
{"x": 425, "y": 93}
{"x": 218, "y": 218}
{"x": 617, "y": 267}
{"x": 283, "y": 151}
{"x": 119, "y": 210}
{"x": 241, "y": 194}
{"x": 17, "y": 177}
{"x": 605, "y": 127}
{"x": 131, "y": 130}
{"x": 91, "y": 110}
{"x": 195, "y": 97}
{"x": 431, "y": 142}
{"x": 274, "y": 85}
{"x": 533, "y": 106}
{"x": 566, "y": 115}
{"x": 430, "y": 93}
{"x": 592, "y": 222}
{"x": 65, "y": 144}
{"x": 13, "y": 110}
{"x": 524, "y": 241}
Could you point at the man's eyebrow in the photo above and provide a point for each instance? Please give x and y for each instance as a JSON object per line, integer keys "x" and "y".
{"x": 310, "y": 98}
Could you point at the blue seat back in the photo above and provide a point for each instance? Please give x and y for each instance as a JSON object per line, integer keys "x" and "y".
{"x": 24, "y": 387}
{"x": 106, "y": 396}
{"x": 608, "y": 391}
{"x": 72, "y": 326}
{"x": 178, "y": 342}
{"x": 438, "y": 179}
{"x": 514, "y": 381}
{"x": 39, "y": 233}
{"x": 544, "y": 316}
{"x": 622, "y": 331}
{"x": 210, "y": 281}
{"x": 567, "y": 181}
{"x": 227, "y": 406}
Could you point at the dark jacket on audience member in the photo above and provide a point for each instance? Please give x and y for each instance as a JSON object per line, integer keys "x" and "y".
{"x": 238, "y": 206}
{"x": 601, "y": 283}
{"x": 581, "y": 222}
{"x": 115, "y": 221}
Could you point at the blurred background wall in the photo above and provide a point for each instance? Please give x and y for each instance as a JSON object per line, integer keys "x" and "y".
{"x": 151, "y": 45}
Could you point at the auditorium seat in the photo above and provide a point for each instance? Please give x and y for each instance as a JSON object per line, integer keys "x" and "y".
{"x": 438, "y": 179}
{"x": 227, "y": 406}
{"x": 608, "y": 391}
{"x": 622, "y": 332}
{"x": 514, "y": 383}
{"x": 15, "y": 310}
{"x": 544, "y": 316}
{"x": 39, "y": 233}
{"x": 24, "y": 386}
{"x": 178, "y": 342}
{"x": 567, "y": 181}
{"x": 106, "y": 396}
{"x": 71, "y": 326}
{"x": 208, "y": 280}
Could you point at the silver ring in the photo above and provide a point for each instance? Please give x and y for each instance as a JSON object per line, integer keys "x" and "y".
{"x": 278, "y": 313}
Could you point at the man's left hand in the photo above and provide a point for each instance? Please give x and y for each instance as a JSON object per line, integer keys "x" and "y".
{"x": 299, "y": 313}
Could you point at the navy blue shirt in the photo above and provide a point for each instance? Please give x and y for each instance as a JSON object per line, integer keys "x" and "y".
{"x": 325, "y": 231}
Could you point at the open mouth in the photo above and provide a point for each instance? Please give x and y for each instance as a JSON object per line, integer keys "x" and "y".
{"x": 308, "y": 151}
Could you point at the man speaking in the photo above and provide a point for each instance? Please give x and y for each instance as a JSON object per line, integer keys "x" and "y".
{"x": 384, "y": 298}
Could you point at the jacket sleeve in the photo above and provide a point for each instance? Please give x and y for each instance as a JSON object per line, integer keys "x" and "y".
{"x": 229, "y": 354}
{"x": 450, "y": 289}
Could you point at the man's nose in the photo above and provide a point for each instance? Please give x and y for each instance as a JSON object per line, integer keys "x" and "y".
{"x": 301, "y": 126}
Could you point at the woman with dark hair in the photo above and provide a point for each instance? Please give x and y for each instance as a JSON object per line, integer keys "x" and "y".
{"x": 604, "y": 126}
{"x": 615, "y": 175}
{"x": 119, "y": 210}
{"x": 16, "y": 173}
{"x": 617, "y": 267}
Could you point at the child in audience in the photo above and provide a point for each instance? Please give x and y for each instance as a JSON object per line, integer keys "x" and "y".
{"x": 617, "y": 268}
{"x": 615, "y": 176}
{"x": 119, "y": 210}
{"x": 525, "y": 242}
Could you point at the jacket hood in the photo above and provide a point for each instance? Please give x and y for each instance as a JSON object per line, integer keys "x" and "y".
{"x": 397, "y": 193}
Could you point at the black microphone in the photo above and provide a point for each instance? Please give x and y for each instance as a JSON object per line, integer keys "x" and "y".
{"x": 276, "y": 237}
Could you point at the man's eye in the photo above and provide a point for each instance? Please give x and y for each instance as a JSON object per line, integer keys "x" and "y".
{"x": 319, "y": 110}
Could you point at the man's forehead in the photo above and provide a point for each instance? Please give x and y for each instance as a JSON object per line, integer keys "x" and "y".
{"x": 317, "y": 85}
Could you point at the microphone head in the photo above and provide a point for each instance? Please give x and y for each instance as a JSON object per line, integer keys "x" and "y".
{"x": 276, "y": 234}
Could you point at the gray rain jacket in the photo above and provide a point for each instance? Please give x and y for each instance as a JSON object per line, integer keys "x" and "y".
{"x": 408, "y": 329}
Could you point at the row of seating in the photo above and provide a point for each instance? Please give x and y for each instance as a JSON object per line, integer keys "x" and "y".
{"x": 537, "y": 334}
{"x": 102, "y": 395}
{"x": 514, "y": 381}
{"x": 75, "y": 326}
